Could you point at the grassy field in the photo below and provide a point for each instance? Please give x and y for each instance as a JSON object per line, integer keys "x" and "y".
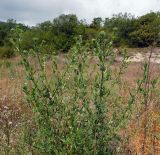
{"x": 14, "y": 112}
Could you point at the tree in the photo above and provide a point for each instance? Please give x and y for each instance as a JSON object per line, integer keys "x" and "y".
{"x": 65, "y": 28}
{"x": 147, "y": 30}
{"x": 96, "y": 23}
{"x": 122, "y": 25}
{"x": 45, "y": 26}
{"x": 5, "y": 30}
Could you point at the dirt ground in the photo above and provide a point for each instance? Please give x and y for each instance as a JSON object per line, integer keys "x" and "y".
{"x": 142, "y": 54}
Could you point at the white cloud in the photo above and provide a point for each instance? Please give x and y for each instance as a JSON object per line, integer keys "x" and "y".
{"x": 35, "y": 11}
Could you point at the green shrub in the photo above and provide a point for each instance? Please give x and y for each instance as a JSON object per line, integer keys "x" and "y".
{"x": 74, "y": 112}
{"x": 6, "y": 52}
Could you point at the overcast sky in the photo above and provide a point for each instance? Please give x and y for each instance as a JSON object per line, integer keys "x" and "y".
{"x": 35, "y": 11}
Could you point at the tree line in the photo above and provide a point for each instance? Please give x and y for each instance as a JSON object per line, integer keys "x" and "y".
{"x": 59, "y": 35}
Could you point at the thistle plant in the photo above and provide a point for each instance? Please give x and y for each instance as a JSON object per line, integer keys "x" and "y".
{"x": 147, "y": 87}
{"x": 109, "y": 114}
{"x": 75, "y": 113}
